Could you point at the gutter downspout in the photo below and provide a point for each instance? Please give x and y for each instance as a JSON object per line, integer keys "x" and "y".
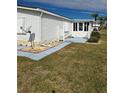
{"x": 41, "y": 14}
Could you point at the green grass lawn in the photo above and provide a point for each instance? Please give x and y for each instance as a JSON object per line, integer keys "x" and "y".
{"x": 77, "y": 68}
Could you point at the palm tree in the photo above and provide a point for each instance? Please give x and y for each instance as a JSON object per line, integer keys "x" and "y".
{"x": 95, "y": 15}
{"x": 102, "y": 20}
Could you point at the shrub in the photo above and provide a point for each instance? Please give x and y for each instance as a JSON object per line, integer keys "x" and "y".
{"x": 93, "y": 39}
{"x": 95, "y": 34}
{"x": 95, "y": 29}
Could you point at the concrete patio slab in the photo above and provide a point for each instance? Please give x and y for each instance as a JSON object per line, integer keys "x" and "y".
{"x": 49, "y": 51}
{"x": 43, "y": 54}
{"x": 20, "y": 47}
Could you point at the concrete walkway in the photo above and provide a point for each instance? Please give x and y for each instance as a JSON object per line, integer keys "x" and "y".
{"x": 43, "y": 54}
{"x": 77, "y": 39}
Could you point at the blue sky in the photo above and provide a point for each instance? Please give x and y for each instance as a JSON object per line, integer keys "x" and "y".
{"x": 99, "y": 5}
{"x": 74, "y": 9}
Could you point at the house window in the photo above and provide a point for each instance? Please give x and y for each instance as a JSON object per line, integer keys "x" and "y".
{"x": 80, "y": 26}
{"x": 91, "y": 23}
{"x": 86, "y": 26}
{"x": 74, "y": 26}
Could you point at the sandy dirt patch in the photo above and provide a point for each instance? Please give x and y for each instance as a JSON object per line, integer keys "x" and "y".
{"x": 40, "y": 48}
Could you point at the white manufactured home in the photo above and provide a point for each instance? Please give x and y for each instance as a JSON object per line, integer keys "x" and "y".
{"x": 48, "y": 26}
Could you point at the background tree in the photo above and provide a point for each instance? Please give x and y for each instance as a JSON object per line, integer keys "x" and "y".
{"x": 105, "y": 22}
{"x": 102, "y": 20}
{"x": 95, "y": 16}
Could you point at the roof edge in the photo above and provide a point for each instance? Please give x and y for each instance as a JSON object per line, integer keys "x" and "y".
{"x": 44, "y": 11}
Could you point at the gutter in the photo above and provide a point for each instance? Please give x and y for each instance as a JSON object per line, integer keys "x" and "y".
{"x": 44, "y": 11}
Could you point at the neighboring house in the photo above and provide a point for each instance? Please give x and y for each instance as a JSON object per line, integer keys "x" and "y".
{"x": 48, "y": 26}
{"x": 96, "y": 25}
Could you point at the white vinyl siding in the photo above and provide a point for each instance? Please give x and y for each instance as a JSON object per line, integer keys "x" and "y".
{"x": 67, "y": 28}
{"x": 20, "y": 23}
{"x": 52, "y": 28}
{"x": 32, "y": 21}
